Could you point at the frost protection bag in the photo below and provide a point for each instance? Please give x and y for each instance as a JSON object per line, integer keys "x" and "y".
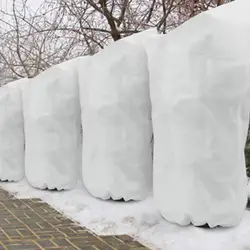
{"x": 199, "y": 87}
{"x": 52, "y": 128}
{"x": 11, "y": 132}
{"x": 141, "y": 38}
{"x": 116, "y": 152}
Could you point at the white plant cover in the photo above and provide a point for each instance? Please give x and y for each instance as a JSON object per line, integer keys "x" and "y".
{"x": 141, "y": 38}
{"x": 11, "y": 132}
{"x": 199, "y": 86}
{"x": 52, "y": 128}
{"x": 116, "y": 151}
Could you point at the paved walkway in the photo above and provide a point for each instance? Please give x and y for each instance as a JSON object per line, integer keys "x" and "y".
{"x": 30, "y": 224}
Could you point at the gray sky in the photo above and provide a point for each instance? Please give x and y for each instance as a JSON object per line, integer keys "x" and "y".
{"x": 34, "y": 3}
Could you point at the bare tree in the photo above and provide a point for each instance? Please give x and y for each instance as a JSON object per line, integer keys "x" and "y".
{"x": 31, "y": 41}
{"x": 62, "y": 29}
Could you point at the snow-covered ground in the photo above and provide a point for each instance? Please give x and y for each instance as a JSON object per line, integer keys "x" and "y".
{"x": 138, "y": 219}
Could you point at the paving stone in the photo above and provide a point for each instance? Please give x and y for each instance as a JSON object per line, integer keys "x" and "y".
{"x": 31, "y": 224}
{"x": 62, "y": 242}
{"x": 47, "y": 243}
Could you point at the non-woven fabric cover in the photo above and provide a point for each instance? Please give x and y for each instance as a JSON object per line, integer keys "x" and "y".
{"x": 11, "y": 132}
{"x": 52, "y": 128}
{"x": 199, "y": 87}
{"x": 141, "y": 38}
{"x": 115, "y": 104}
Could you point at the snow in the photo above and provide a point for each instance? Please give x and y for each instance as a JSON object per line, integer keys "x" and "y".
{"x": 138, "y": 219}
